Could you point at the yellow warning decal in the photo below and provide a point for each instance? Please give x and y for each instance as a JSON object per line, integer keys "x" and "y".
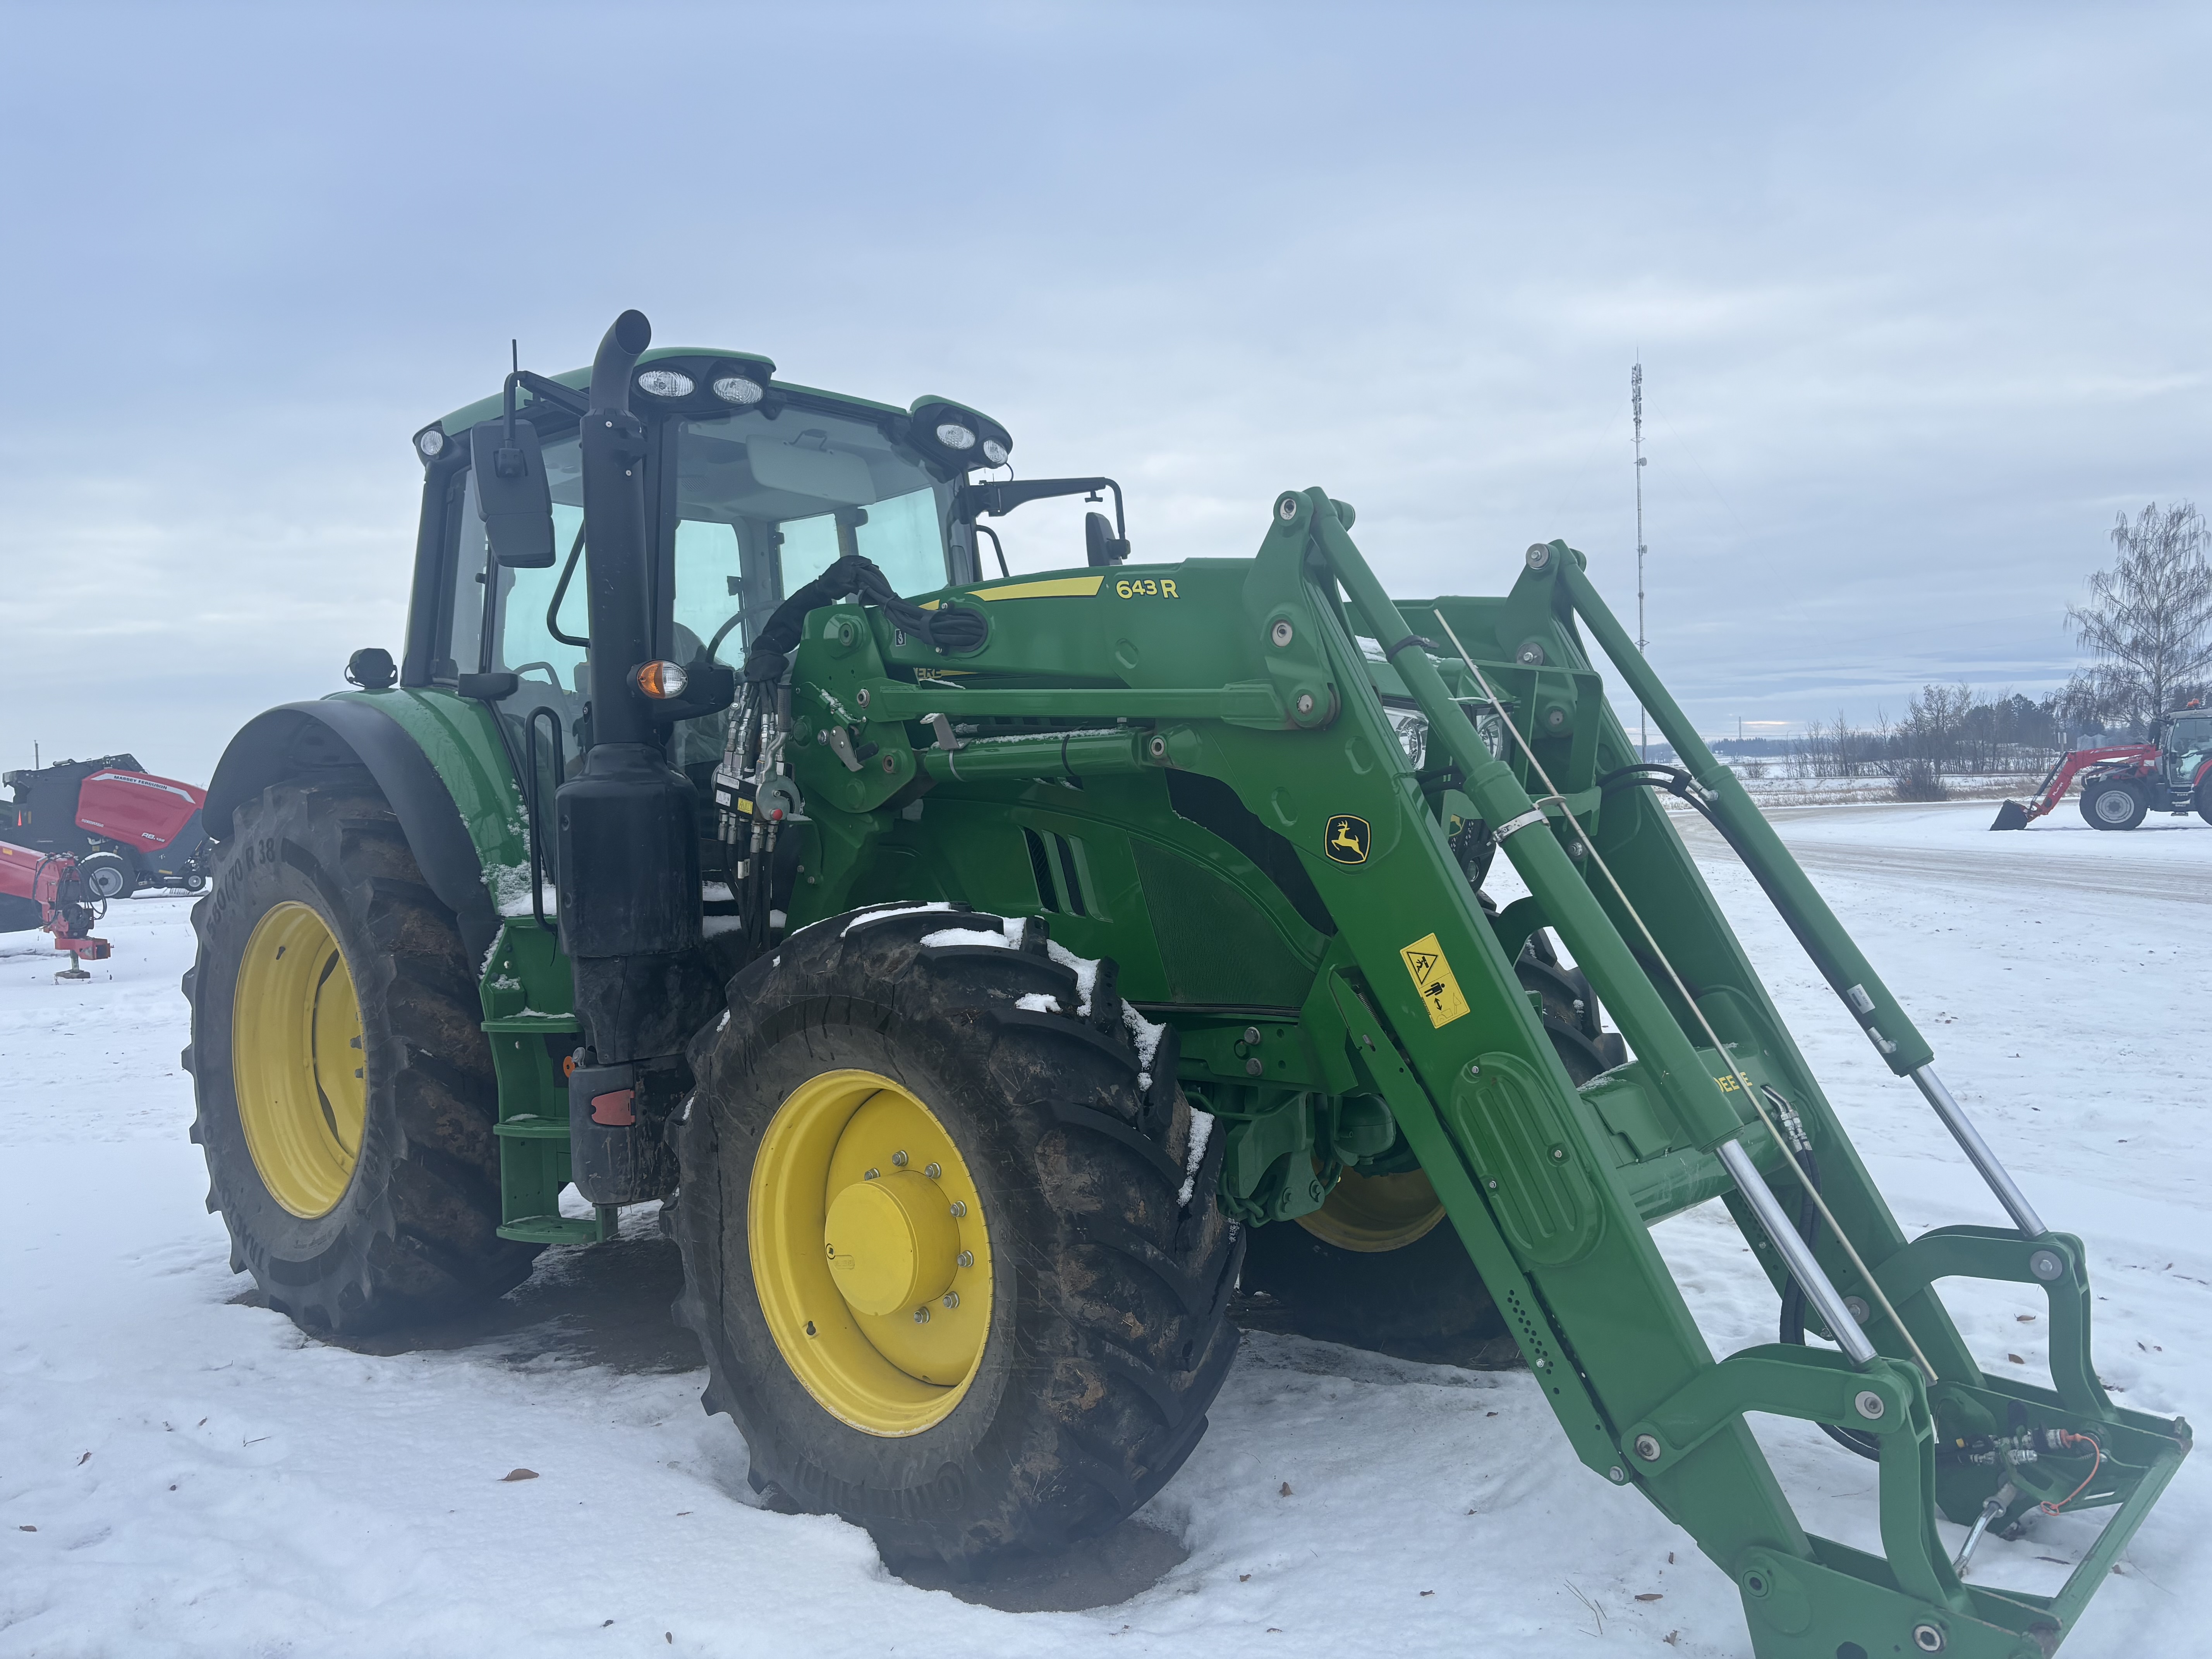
{"x": 1059, "y": 587}
{"x": 1432, "y": 977}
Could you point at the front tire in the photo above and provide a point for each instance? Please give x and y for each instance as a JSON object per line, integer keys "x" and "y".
{"x": 2113, "y": 803}
{"x": 345, "y": 1089}
{"x": 1017, "y": 1375}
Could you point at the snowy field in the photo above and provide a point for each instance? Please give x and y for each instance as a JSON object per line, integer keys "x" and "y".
{"x": 182, "y": 1472}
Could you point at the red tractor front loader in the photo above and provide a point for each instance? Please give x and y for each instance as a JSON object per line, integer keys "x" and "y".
{"x": 2122, "y": 784}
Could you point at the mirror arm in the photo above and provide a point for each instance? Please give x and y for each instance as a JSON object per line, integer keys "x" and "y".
{"x": 997, "y": 500}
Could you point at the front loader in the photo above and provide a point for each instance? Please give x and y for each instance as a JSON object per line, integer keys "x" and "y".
{"x": 974, "y": 968}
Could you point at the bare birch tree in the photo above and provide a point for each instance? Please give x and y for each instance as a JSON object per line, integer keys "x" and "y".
{"x": 2149, "y": 618}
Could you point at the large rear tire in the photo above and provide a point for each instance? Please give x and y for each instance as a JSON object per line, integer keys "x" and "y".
{"x": 345, "y": 1088}
{"x": 1379, "y": 1266}
{"x": 933, "y": 1242}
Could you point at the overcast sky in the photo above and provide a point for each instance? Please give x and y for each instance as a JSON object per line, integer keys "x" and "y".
{"x": 1920, "y": 294}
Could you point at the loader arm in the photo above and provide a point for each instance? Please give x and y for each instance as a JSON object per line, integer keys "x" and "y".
{"x": 2070, "y": 766}
{"x": 1801, "y": 1594}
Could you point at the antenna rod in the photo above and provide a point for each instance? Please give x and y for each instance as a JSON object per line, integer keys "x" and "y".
{"x": 1636, "y": 407}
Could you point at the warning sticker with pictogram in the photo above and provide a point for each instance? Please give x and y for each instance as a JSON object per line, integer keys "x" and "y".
{"x": 1432, "y": 977}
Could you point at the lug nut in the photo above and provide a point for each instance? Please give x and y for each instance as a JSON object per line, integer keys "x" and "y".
{"x": 871, "y": 1175}
{"x": 952, "y": 1298}
{"x": 966, "y": 1258}
{"x": 959, "y": 1207}
{"x": 898, "y": 1160}
{"x": 921, "y": 1315}
{"x": 933, "y": 1170}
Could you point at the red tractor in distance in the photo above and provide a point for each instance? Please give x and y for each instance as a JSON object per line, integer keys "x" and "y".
{"x": 124, "y": 828}
{"x": 2172, "y": 772}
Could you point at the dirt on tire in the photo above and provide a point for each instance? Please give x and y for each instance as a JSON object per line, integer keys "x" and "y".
{"x": 1109, "y": 1335}
{"x": 413, "y": 1236}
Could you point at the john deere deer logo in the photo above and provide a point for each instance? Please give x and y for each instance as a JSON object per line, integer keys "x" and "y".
{"x": 1346, "y": 839}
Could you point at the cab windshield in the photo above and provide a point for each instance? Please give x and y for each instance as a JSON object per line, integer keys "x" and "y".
{"x": 758, "y": 505}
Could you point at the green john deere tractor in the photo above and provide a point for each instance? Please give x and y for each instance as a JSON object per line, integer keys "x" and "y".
{"x": 978, "y": 968}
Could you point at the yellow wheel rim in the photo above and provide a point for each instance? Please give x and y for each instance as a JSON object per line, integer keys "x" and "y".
{"x": 870, "y": 1253}
{"x": 1375, "y": 1213}
{"x": 296, "y": 1060}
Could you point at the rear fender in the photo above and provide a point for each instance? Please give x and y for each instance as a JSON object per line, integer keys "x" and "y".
{"x": 438, "y": 761}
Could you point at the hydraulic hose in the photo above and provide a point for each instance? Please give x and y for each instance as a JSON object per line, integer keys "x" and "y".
{"x": 1680, "y": 785}
{"x": 948, "y": 628}
{"x": 1793, "y": 1301}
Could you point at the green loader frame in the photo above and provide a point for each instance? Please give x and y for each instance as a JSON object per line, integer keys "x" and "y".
{"x": 1252, "y": 784}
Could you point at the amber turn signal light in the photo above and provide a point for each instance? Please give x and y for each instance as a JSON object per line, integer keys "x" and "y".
{"x": 660, "y": 680}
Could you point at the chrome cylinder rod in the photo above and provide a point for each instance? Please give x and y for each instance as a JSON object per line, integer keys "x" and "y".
{"x": 1978, "y": 1153}
{"x": 1820, "y": 1293}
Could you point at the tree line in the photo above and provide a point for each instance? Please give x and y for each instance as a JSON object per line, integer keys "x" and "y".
{"x": 2147, "y": 622}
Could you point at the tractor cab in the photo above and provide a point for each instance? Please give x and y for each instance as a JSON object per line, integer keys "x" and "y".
{"x": 752, "y": 487}
{"x": 2186, "y": 743}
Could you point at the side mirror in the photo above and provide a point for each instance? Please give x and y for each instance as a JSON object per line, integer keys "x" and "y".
{"x": 1100, "y": 544}
{"x": 512, "y": 496}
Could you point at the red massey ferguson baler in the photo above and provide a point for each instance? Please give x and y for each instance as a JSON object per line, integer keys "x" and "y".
{"x": 126, "y": 828}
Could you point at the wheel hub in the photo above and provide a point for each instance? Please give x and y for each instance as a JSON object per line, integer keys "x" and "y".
{"x": 892, "y": 1243}
{"x": 297, "y": 1060}
{"x": 1376, "y": 1213}
{"x": 869, "y": 1252}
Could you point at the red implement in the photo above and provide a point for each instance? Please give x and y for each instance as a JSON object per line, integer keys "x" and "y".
{"x": 48, "y": 882}
{"x": 136, "y": 808}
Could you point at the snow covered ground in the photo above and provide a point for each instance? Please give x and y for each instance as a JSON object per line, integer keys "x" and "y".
{"x": 181, "y": 1472}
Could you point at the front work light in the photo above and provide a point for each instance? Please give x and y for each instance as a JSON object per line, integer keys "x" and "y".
{"x": 431, "y": 443}
{"x": 665, "y": 383}
{"x": 737, "y": 389}
{"x": 661, "y": 681}
{"x": 995, "y": 452}
{"x": 953, "y": 436}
